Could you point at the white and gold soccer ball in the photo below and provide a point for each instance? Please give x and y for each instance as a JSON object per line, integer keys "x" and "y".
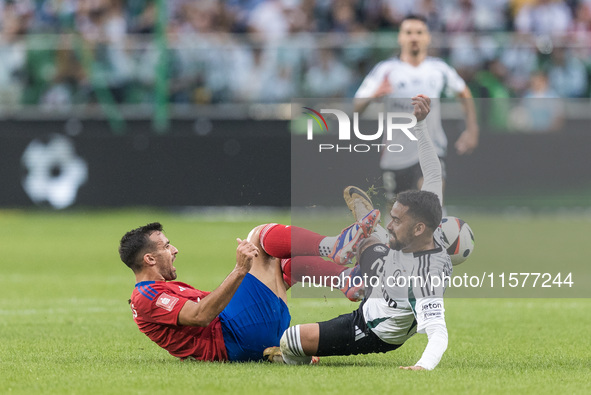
{"x": 458, "y": 239}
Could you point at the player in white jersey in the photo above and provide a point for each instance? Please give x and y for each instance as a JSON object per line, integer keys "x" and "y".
{"x": 403, "y": 272}
{"x": 400, "y": 78}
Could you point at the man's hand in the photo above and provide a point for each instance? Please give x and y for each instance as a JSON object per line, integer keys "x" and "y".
{"x": 467, "y": 142}
{"x": 422, "y": 105}
{"x": 245, "y": 253}
{"x": 411, "y": 368}
{"x": 205, "y": 311}
{"x": 360, "y": 104}
{"x": 384, "y": 89}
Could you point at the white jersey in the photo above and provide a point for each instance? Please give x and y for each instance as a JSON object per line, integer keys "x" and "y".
{"x": 432, "y": 77}
{"x": 404, "y": 299}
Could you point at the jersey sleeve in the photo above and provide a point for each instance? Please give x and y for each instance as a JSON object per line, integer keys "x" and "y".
{"x": 429, "y": 308}
{"x": 371, "y": 82}
{"x": 436, "y": 346}
{"x": 429, "y": 161}
{"x": 454, "y": 83}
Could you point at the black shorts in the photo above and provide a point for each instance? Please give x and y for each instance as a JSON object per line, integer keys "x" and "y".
{"x": 348, "y": 334}
{"x": 396, "y": 181}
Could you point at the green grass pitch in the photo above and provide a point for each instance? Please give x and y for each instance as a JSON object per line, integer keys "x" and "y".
{"x": 66, "y": 328}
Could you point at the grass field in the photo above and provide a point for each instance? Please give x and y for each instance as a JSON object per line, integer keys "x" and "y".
{"x": 66, "y": 328}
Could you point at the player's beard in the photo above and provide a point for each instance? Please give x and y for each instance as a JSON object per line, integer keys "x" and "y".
{"x": 172, "y": 273}
{"x": 169, "y": 272}
{"x": 395, "y": 243}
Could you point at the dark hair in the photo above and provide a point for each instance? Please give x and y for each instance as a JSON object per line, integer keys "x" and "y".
{"x": 415, "y": 17}
{"x": 423, "y": 206}
{"x": 136, "y": 241}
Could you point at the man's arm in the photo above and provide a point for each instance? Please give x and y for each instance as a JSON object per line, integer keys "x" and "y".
{"x": 202, "y": 313}
{"x": 468, "y": 140}
{"x": 430, "y": 314}
{"x": 361, "y": 103}
{"x": 428, "y": 159}
{"x": 436, "y": 346}
{"x": 431, "y": 320}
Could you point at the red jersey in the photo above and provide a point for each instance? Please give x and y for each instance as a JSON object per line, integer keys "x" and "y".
{"x": 156, "y": 306}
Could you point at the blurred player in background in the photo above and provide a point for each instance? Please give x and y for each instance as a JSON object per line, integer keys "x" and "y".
{"x": 395, "y": 306}
{"x": 400, "y": 78}
{"x": 247, "y": 312}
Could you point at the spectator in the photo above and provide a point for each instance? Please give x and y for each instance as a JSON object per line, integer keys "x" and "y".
{"x": 327, "y": 77}
{"x": 541, "y": 109}
{"x": 489, "y": 83}
{"x": 567, "y": 74}
{"x": 55, "y": 16}
{"x": 203, "y": 55}
{"x": 520, "y": 59}
{"x": 257, "y": 78}
{"x": 343, "y": 17}
{"x": 544, "y": 17}
{"x": 397, "y": 10}
{"x": 581, "y": 32}
{"x": 476, "y": 15}
{"x": 461, "y": 17}
{"x": 13, "y": 54}
{"x": 432, "y": 11}
{"x": 240, "y": 11}
{"x": 143, "y": 21}
{"x": 104, "y": 28}
{"x": 269, "y": 20}
{"x": 68, "y": 81}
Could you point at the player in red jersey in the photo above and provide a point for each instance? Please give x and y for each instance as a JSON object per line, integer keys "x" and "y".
{"x": 247, "y": 312}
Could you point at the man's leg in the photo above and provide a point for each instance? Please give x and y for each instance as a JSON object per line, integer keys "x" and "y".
{"x": 254, "y": 319}
{"x": 396, "y": 181}
{"x": 275, "y": 243}
{"x": 267, "y": 268}
{"x": 307, "y": 247}
{"x": 284, "y": 241}
{"x": 347, "y": 334}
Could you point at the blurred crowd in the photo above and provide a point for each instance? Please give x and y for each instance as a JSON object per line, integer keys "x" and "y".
{"x": 56, "y": 53}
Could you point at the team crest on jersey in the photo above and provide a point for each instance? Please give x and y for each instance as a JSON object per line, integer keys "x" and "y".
{"x": 166, "y": 301}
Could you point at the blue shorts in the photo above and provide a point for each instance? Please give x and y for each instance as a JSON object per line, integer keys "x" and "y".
{"x": 254, "y": 319}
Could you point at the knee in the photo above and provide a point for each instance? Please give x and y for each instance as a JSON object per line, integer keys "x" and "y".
{"x": 291, "y": 347}
{"x": 254, "y": 234}
{"x": 257, "y": 236}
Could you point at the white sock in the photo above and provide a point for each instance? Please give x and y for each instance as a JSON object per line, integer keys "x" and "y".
{"x": 325, "y": 247}
{"x": 291, "y": 347}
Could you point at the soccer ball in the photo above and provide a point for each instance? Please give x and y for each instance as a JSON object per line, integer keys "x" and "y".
{"x": 458, "y": 239}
